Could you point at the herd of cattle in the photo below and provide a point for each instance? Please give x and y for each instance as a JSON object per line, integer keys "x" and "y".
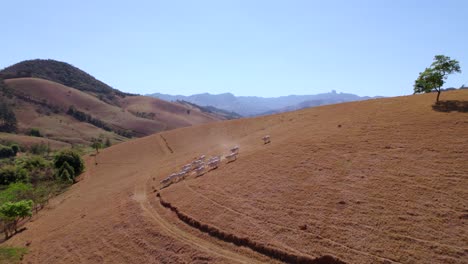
{"x": 201, "y": 165}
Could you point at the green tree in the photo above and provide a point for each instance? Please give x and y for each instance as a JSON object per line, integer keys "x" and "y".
{"x": 97, "y": 144}
{"x": 11, "y": 213}
{"x": 65, "y": 176}
{"x": 433, "y": 78}
{"x": 107, "y": 143}
{"x": 35, "y": 132}
{"x": 10, "y": 174}
{"x": 6, "y": 152}
{"x": 16, "y": 192}
{"x": 72, "y": 158}
{"x": 69, "y": 169}
{"x": 7, "y": 118}
{"x": 15, "y": 148}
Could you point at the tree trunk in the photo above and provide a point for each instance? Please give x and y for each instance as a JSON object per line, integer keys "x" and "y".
{"x": 438, "y": 94}
{"x": 7, "y": 230}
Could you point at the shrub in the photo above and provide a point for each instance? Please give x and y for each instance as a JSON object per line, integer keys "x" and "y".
{"x": 6, "y": 152}
{"x": 15, "y": 148}
{"x": 39, "y": 149}
{"x": 12, "y": 254}
{"x": 37, "y": 166}
{"x": 31, "y": 162}
{"x": 72, "y": 158}
{"x": 16, "y": 192}
{"x": 10, "y": 174}
{"x": 35, "y": 132}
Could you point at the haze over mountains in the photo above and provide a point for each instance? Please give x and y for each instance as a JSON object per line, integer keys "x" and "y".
{"x": 254, "y": 105}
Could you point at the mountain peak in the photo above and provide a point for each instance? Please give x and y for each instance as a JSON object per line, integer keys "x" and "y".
{"x": 59, "y": 72}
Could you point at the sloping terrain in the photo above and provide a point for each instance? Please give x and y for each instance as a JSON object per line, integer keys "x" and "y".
{"x": 380, "y": 181}
{"x": 46, "y": 105}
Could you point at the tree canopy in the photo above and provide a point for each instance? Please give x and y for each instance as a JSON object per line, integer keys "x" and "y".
{"x": 73, "y": 159}
{"x": 12, "y": 212}
{"x": 433, "y": 78}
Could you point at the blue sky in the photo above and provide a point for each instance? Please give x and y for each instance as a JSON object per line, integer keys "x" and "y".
{"x": 264, "y": 48}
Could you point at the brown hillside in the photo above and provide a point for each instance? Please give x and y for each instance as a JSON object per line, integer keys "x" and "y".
{"x": 43, "y": 104}
{"x": 28, "y": 141}
{"x": 172, "y": 114}
{"x": 380, "y": 181}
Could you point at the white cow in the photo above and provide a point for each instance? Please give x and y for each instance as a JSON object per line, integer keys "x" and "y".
{"x": 187, "y": 167}
{"x": 166, "y": 181}
{"x": 169, "y": 179}
{"x": 231, "y": 157}
{"x": 235, "y": 149}
{"x": 213, "y": 163}
{"x": 199, "y": 171}
{"x": 182, "y": 174}
{"x": 266, "y": 139}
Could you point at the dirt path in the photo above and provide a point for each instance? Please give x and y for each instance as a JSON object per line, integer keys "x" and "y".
{"x": 142, "y": 197}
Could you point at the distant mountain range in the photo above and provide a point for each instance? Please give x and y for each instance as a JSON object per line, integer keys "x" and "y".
{"x": 253, "y": 105}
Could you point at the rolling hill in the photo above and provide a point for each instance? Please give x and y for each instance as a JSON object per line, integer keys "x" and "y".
{"x": 90, "y": 109}
{"x": 378, "y": 181}
{"x": 63, "y": 73}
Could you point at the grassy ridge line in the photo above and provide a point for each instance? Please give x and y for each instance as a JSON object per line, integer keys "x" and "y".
{"x": 246, "y": 242}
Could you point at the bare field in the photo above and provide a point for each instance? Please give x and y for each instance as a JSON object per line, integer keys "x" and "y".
{"x": 380, "y": 181}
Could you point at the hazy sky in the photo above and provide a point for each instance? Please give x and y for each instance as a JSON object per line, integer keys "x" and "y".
{"x": 265, "y": 48}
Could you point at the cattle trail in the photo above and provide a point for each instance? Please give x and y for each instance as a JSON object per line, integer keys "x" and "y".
{"x": 141, "y": 195}
{"x": 167, "y": 144}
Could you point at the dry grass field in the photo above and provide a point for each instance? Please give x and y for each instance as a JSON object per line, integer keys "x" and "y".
{"x": 380, "y": 181}
{"x": 28, "y": 141}
{"x": 43, "y": 104}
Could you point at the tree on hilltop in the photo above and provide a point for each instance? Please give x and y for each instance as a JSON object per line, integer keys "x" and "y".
{"x": 433, "y": 78}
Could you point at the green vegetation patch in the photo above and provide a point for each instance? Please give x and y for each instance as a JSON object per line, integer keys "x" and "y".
{"x": 12, "y": 255}
{"x": 28, "y": 181}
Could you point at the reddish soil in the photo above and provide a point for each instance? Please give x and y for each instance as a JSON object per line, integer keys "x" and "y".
{"x": 380, "y": 181}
